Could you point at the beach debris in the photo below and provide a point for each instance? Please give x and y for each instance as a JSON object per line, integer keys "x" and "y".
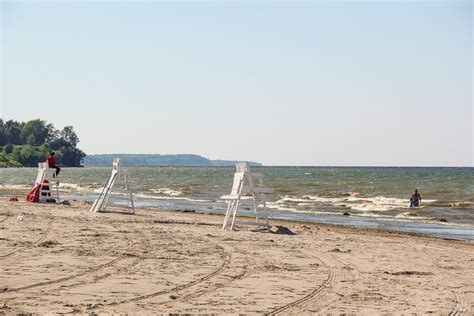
{"x": 280, "y": 230}
{"x": 186, "y": 211}
{"x": 65, "y": 202}
{"x": 19, "y": 217}
{"x": 282, "y": 266}
{"x": 339, "y": 250}
{"x": 443, "y": 220}
{"x": 346, "y": 214}
{"x": 48, "y": 243}
{"x": 13, "y": 199}
{"x": 409, "y": 273}
{"x": 174, "y": 297}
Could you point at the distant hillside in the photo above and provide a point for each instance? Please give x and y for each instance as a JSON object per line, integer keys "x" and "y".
{"x": 153, "y": 160}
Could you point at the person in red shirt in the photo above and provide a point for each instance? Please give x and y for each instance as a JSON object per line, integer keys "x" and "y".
{"x": 52, "y": 163}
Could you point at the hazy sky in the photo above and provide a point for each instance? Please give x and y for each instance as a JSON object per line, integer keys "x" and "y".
{"x": 283, "y": 83}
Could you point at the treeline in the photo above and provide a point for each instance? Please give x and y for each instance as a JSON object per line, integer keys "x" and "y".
{"x": 24, "y": 144}
{"x": 155, "y": 160}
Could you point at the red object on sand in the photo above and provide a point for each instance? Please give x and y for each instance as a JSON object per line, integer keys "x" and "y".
{"x": 33, "y": 196}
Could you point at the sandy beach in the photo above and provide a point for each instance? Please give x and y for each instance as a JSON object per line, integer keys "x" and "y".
{"x": 64, "y": 259}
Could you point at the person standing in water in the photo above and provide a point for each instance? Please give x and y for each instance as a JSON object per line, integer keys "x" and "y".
{"x": 415, "y": 199}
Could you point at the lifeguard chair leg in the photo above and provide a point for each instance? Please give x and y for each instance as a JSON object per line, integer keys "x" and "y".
{"x": 235, "y": 213}
{"x": 255, "y": 208}
{"x": 227, "y": 213}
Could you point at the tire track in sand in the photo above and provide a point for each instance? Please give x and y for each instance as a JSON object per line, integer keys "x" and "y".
{"x": 326, "y": 299}
{"x": 77, "y": 275}
{"x": 332, "y": 275}
{"x": 206, "y": 290}
{"x": 226, "y": 256}
{"x": 71, "y": 277}
{"x": 43, "y": 236}
{"x": 461, "y": 307}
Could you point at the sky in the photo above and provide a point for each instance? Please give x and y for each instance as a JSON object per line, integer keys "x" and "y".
{"x": 324, "y": 83}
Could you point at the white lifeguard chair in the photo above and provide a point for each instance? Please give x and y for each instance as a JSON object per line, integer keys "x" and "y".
{"x": 118, "y": 177}
{"x": 47, "y": 179}
{"x": 253, "y": 190}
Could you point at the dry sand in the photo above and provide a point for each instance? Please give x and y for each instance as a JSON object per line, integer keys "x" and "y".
{"x": 63, "y": 259}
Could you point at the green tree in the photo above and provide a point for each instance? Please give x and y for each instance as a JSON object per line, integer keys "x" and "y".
{"x": 69, "y": 136}
{"x": 16, "y": 153}
{"x": 35, "y": 132}
{"x": 27, "y": 155}
{"x": 3, "y": 135}
{"x": 7, "y": 149}
{"x": 29, "y": 143}
{"x": 12, "y": 132}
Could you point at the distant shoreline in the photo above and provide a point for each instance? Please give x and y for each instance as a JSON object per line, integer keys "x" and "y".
{"x": 157, "y": 160}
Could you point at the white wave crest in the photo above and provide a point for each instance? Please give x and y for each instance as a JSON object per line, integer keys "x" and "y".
{"x": 279, "y": 207}
{"x": 68, "y": 187}
{"x": 16, "y": 186}
{"x": 166, "y": 191}
{"x": 164, "y": 198}
{"x": 354, "y": 201}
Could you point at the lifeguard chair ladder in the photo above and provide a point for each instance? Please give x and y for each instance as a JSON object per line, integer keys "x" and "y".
{"x": 119, "y": 176}
{"x": 47, "y": 178}
{"x": 241, "y": 189}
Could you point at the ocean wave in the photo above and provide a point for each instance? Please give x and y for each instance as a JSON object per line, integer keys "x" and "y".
{"x": 279, "y": 207}
{"x": 450, "y": 203}
{"x": 402, "y": 217}
{"x": 156, "y": 197}
{"x": 15, "y": 186}
{"x": 69, "y": 187}
{"x": 308, "y": 199}
{"x": 353, "y": 201}
{"x": 412, "y": 216}
{"x": 378, "y": 203}
{"x": 166, "y": 191}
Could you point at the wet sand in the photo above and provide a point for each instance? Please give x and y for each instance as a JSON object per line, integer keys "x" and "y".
{"x": 64, "y": 259}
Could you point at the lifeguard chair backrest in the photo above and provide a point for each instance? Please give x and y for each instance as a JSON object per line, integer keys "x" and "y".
{"x": 116, "y": 165}
{"x": 238, "y": 182}
{"x": 243, "y": 167}
{"x": 44, "y": 172}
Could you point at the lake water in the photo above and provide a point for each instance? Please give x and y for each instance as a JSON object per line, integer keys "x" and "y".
{"x": 375, "y": 197}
